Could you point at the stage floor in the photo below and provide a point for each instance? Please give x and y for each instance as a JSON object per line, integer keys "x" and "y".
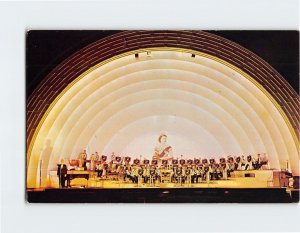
{"x": 163, "y": 195}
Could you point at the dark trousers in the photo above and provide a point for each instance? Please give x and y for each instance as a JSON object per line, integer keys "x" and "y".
{"x": 63, "y": 180}
{"x": 99, "y": 173}
{"x": 146, "y": 178}
{"x": 195, "y": 178}
{"x": 129, "y": 177}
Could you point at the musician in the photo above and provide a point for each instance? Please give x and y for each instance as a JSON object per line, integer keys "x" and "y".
{"x": 249, "y": 163}
{"x": 264, "y": 162}
{"x": 64, "y": 175}
{"x": 239, "y": 163}
{"x": 187, "y": 174}
{"x": 256, "y": 162}
{"x": 199, "y": 173}
{"x": 92, "y": 164}
{"x": 82, "y": 160}
{"x": 231, "y": 166}
{"x": 135, "y": 173}
{"x": 206, "y": 170}
{"x": 140, "y": 172}
{"x": 97, "y": 156}
{"x": 194, "y": 174}
{"x": 178, "y": 174}
{"x": 218, "y": 172}
{"x": 99, "y": 169}
{"x": 212, "y": 169}
{"x": 62, "y": 171}
{"x": 115, "y": 162}
{"x": 146, "y": 173}
{"x": 128, "y": 174}
{"x": 153, "y": 174}
{"x": 104, "y": 168}
{"x": 163, "y": 151}
{"x": 223, "y": 166}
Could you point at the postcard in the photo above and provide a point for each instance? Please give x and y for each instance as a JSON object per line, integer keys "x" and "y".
{"x": 162, "y": 116}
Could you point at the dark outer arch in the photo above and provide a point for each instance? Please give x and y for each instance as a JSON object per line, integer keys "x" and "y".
{"x": 41, "y": 98}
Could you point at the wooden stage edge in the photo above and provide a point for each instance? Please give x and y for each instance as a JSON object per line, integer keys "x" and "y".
{"x": 163, "y": 195}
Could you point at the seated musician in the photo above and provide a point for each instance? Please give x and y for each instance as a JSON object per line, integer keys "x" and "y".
{"x": 194, "y": 174}
{"x": 153, "y": 173}
{"x": 239, "y": 163}
{"x": 231, "y": 165}
{"x": 249, "y": 163}
{"x": 212, "y": 169}
{"x": 163, "y": 151}
{"x": 135, "y": 173}
{"x": 177, "y": 174}
{"x": 256, "y": 161}
{"x": 99, "y": 169}
{"x": 146, "y": 173}
{"x": 264, "y": 162}
{"x": 128, "y": 174}
{"x": 219, "y": 172}
{"x": 223, "y": 166}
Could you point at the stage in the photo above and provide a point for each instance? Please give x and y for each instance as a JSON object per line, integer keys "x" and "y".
{"x": 256, "y": 186}
{"x": 164, "y": 195}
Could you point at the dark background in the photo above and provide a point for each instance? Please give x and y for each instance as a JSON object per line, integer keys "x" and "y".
{"x": 46, "y": 49}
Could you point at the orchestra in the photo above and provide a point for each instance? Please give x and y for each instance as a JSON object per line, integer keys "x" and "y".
{"x": 178, "y": 171}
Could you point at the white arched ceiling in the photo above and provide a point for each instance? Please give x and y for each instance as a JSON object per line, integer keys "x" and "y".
{"x": 143, "y": 133}
{"x": 114, "y": 106}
